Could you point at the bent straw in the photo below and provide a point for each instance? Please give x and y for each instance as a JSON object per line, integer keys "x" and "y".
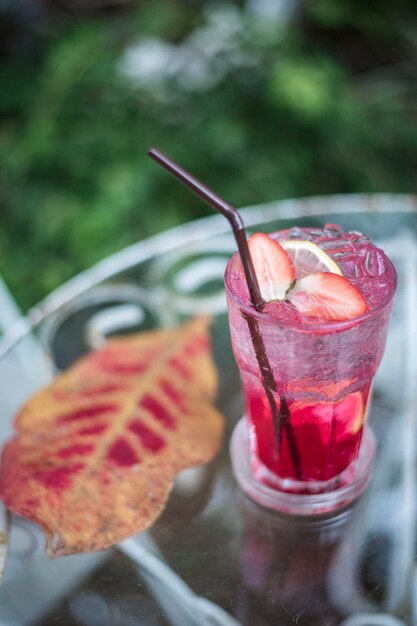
{"x": 226, "y": 209}
{"x": 281, "y": 420}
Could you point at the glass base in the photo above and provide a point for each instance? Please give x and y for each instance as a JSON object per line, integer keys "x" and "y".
{"x": 321, "y": 497}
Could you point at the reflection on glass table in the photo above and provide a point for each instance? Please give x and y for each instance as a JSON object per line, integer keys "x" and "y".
{"x": 214, "y": 557}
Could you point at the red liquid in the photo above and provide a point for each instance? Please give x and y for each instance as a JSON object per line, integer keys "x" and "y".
{"x": 328, "y": 434}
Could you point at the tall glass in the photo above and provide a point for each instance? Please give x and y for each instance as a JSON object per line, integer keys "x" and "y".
{"x": 304, "y": 428}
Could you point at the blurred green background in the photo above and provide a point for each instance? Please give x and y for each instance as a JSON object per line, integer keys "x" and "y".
{"x": 262, "y": 99}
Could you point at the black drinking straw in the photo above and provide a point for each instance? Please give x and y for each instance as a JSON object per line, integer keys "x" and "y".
{"x": 281, "y": 420}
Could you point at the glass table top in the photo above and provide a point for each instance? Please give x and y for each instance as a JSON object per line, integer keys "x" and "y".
{"x": 214, "y": 557}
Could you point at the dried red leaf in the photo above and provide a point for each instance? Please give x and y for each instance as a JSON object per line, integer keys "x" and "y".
{"x": 97, "y": 451}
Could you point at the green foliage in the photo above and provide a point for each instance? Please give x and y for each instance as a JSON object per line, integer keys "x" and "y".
{"x": 268, "y": 112}
{"x": 308, "y": 89}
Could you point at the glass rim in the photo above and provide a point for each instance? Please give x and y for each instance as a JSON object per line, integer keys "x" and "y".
{"x": 322, "y": 326}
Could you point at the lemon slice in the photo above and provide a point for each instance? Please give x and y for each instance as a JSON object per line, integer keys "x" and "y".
{"x": 308, "y": 258}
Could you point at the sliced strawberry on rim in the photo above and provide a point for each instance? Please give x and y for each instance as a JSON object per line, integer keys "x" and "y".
{"x": 273, "y": 266}
{"x": 327, "y": 296}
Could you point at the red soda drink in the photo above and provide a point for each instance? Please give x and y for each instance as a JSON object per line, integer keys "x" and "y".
{"x": 322, "y": 368}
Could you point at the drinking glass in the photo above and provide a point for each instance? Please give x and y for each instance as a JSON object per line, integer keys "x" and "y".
{"x": 306, "y": 414}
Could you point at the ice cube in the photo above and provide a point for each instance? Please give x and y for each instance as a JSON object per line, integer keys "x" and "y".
{"x": 349, "y": 268}
{"x": 297, "y": 233}
{"x": 333, "y": 230}
{"x": 374, "y": 263}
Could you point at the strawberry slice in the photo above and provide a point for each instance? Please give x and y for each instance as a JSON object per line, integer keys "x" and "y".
{"x": 327, "y": 296}
{"x": 273, "y": 266}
